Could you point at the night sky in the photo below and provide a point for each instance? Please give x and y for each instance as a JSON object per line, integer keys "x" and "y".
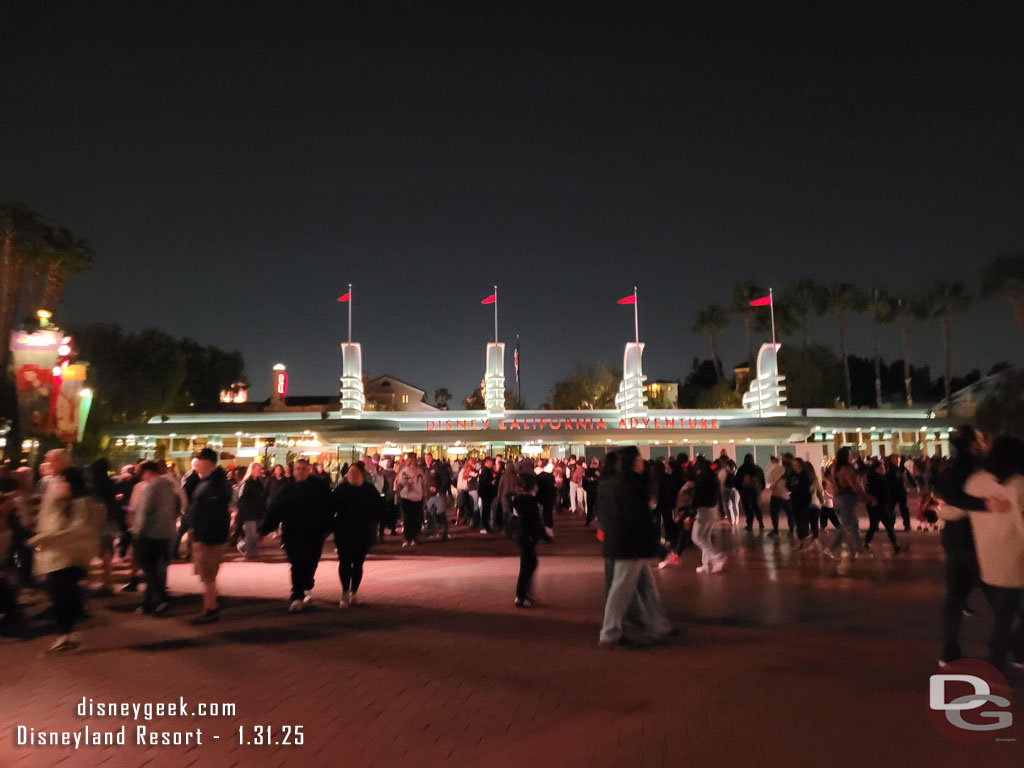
{"x": 236, "y": 165}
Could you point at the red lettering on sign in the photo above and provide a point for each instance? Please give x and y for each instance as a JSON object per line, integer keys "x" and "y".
{"x": 430, "y": 426}
{"x": 448, "y": 425}
{"x": 581, "y": 423}
{"x": 460, "y": 424}
{"x": 622, "y": 424}
{"x": 601, "y": 424}
{"x": 714, "y": 423}
{"x": 693, "y": 423}
{"x": 703, "y": 424}
{"x": 501, "y": 424}
{"x": 670, "y": 423}
{"x": 514, "y": 424}
{"x": 556, "y": 423}
{"x": 647, "y": 423}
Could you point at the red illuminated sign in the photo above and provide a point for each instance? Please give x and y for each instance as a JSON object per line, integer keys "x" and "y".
{"x": 281, "y": 383}
{"x": 570, "y": 424}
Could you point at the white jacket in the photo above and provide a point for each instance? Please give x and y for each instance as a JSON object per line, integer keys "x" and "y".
{"x": 999, "y": 536}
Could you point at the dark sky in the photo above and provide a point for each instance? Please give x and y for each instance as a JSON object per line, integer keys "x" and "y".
{"x": 236, "y": 165}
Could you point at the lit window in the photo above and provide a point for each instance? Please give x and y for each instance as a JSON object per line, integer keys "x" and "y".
{"x": 405, "y": 399}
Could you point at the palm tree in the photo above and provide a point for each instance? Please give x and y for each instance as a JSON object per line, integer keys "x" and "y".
{"x": 68, "y": 256}
{"x": 805, "y": 298}
{"x": 846, "y": 299}
{"x": 905, "y": 312}
{"x": 20, "y": 235}
{"x": 712, "y": 320}
{"x": 881, "y": 306}
{"x": 945, "y": 299}
{"x": 441, "y": 398}
{"x": 1005, "y": 274}
{"x": 742, "y": 294}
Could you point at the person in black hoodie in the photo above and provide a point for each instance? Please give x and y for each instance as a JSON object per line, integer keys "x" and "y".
{"x": 209, "y": 521}
{"x": 529, "y": 529}
{"x": 488, "y": 490}
{"x": 750, "y": 480}
{"x": 252, "y": 508}
{"x": 631, "y": 543}
{"x": 881, "y": 510}
{"x": 357, "y": 512}
{"x": 304, "y": 511}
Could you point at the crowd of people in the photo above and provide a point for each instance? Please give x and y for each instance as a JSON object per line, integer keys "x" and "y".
{"x": 647, "y": 511}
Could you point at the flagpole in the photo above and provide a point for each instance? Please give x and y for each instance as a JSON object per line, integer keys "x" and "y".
{"x": 636, "y": 317}
{"x": 771, "y": 306}
{"x": 495, "y": 314}
{"x": 350, "y": 313}
{"x": 519, "y": 384}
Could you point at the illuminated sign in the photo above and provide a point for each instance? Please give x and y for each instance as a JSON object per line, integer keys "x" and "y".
{"x": 281, "y": 383}
{"x": 569, "y": 424}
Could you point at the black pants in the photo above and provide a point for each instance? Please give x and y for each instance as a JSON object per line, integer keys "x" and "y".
{"x": 748, "y": 497}
{"x": 548, "y": 513}
{"x": 66, "y": 597}
{"x": 389, "y": 518}
{"x": 961, "y": 577}
{"x": 667, "y": 524}
{"x": 1007, "y": 624}
{"x": 828, "y": 515}
{"x": 883, "y": 515}
{"x": 486, "y": 502}
{"x": 802, "y": 513}
{"x": 591, "y": 504}
{"x": 901, "y": 504}
{"x": 303, "y": 558}
{"x": 527, "y": 567}
{"x": 412, "y": 518}
{"x": 812, "y": 517}
{"x": 774, "y": 506}
{"x": 350, "y": 566}
{"x": 153, "y": 556}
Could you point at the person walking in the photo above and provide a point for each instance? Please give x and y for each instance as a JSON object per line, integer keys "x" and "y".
{"x": 304, "y": 510}
{"x": 529, "y": 529}
{"x": 357, "y": 511}
{"x": 775, "y": 478}
{"x": 153, "y": 523}
{"x": 849, "y": 489}
{"x": 209, "y": 523}
{"x": 799, "y": 485}
{"x": 751, "y": 481}
{"x": 67, "y": 539}
{"x": 881, "y": 511}
{"x": 488, "y": 489}
{"x": 252, "y": 508}
{"x": 631, "y": 543}
{"x": 411, "y": 489}
{"x": 706, "y": 499}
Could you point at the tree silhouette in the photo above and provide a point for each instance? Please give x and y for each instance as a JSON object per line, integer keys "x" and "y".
{"x": 946, "y": 298}
{"x": 742, "y": 294}
{"x": 845, "y": 299}
{"x": 712, "y": 320}
{"x": 1005, "y": 275}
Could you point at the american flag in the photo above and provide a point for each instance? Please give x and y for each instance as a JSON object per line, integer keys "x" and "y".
{"x": 515, "y": 358}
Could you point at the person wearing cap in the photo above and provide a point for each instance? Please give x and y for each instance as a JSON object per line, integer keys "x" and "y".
{"x": 209, "y": 521}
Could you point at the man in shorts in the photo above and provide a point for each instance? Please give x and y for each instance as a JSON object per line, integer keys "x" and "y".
{"x": 209, "y": 522}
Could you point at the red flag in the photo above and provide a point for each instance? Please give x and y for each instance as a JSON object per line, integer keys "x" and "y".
{"x": 490, "y": 299}
{"x": 346, "y": 297}
{"x": 764, "y": 301}
{"x": 631, "y": 299}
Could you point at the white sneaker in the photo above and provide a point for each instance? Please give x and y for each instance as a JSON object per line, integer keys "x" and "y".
{"x": 405, "y": 544}
{"x": 700, "y": 569}
{"x": 295, "y": 606}
{"x": 307, "y": 595}
{"x": 717, "y": 566}
{"x": 352, "y": 598}
{"x": 346, "y": 600}
{"x": 483, "y": 531}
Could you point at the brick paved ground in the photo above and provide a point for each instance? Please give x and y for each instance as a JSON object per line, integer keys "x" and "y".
{"x": 780, "y": 662}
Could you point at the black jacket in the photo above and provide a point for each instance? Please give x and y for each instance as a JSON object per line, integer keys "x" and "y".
{"x": 252, "y": 501}
{"x": 208, "y": 514}
{"x": 305, "y": 513}
{"x": 487, "y": 486}
{"x": 357, "y": 513}
{"x": 750, "y": 477}
{"x": 949, "y": 486}
{"x": 706, "y": 492}
{"x": 878, "y": 488}
{"x": 628, "y": 526}
{"x": 529, "y": 525}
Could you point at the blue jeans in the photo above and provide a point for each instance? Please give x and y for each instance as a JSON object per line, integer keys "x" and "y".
{"x": 633, "y": 590}
{"x": 849, "y": 527}
{"x": 251, "y": 529}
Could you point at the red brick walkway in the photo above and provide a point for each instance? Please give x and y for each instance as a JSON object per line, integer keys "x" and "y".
{"x": 779, "y": 663}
